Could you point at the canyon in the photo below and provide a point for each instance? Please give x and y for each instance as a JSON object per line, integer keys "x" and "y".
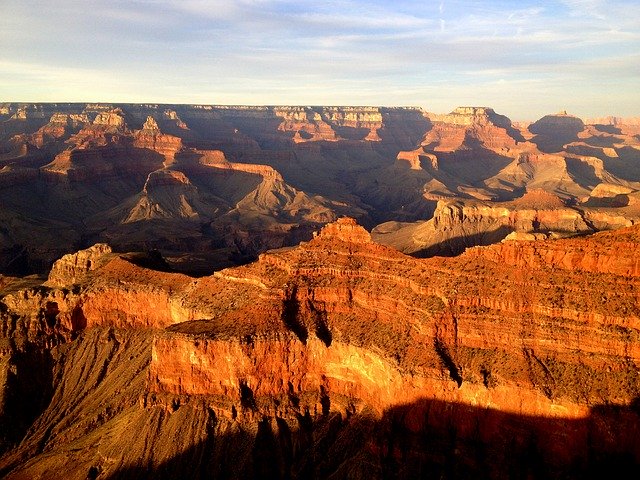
{"x": 214, "y": 186}
{"x": 337, "y": 358}
{"x": 196, "y": 291}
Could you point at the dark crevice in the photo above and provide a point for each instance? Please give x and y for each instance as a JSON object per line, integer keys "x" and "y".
{"x": 539, "y": 373}
{"x": 246, "y": 396}
{"x": 321, "y": 325}
{"x": 325, "y": 401}
{"x": 51, "y": 314}
{"x": 487, "y": 379}
{"x": 293, "y": 398}
{"x": 447, "y": 360}
{"x": 291, "y": 316}
{"x": 78, "y": 321}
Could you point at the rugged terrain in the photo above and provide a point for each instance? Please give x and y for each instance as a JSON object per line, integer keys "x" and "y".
{"x": 214, "y": 186}
{"x": 317, "y": 292}
{"x": 338, "y": 358}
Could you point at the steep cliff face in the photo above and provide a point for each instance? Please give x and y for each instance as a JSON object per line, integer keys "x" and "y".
{"x": 150, "y": 137}
{"x": 306, "y": 125}
{"x": 605, "y": 253}
{"x": 466, "y": 125}
{"x": 73, "y": 267}
{"x": 337, "y": 357}
{"x": 60, "y": 126}
{"x": 105, "y": 162}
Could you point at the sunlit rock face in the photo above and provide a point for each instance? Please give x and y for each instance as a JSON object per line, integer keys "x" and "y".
{"x": 339, "y": 357}
{"x": 73, "y": 267}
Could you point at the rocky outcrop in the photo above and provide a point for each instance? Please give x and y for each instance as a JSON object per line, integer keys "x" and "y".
{"x": 342, "y": 353}
{"x": 150, "y": 125}
{"x": 73, "y": 267}
{"x": 60, "y": 126}
{"x": 468, "y": 116}
{"x": 416, "y": 157}
{"x": 113, "y": 118}
{"x": 173, "y": 115}
{"x": 345, "y": 229}
{"x": 352, "y": 121}
{"x": 605, "y": 253}
{"x": 306, "y": 124}
{"x": 166, "y": 194}
{"x": 466, "y": 126}
{"x": 457, "y": 225}
{"x": 107, "y": 128}
{"x": 150, "y": 137}
{"x": 20, "y": 114}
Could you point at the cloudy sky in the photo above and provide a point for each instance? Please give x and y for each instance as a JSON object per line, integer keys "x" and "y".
{"x": 523, "y": 58}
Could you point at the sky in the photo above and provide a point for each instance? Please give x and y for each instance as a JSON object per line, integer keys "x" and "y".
{"x": 525, "y": 59}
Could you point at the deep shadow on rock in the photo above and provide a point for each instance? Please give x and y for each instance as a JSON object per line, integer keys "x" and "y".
{"x": 425, "y": 439}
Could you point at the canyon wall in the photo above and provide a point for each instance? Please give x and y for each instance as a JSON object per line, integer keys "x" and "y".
{"x": 337, "y": 357}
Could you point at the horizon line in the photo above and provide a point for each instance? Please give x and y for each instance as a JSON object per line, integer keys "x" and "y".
{"x": 561, "y": 111}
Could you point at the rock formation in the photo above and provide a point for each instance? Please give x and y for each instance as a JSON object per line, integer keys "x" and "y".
{"x": 457, "y": 225}
{"x": 554, "y": 131}
{"x": 224, "y": 183}
{"x": 150, "y": 137}
{"x": 337, "y": 358}
{"x": 73, "y": 267}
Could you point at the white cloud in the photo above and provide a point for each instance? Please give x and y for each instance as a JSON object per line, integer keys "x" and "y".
{"x": 337, "y": 51}
{"x": 593, "y": 8}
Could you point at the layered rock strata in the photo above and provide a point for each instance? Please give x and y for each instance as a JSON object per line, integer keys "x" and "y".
{"x": 340, "y": 357}
{"x": 457, "y": 225}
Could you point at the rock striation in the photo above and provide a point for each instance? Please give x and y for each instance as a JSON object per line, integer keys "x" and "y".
{"x": 150, "y": 137}
{"x": 73, "y": 267}
{"x": 458, "y": 225}
{"x": 337, "y": 357}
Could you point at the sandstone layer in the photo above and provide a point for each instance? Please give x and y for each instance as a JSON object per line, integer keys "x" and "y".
{"x": 338, "y": 358}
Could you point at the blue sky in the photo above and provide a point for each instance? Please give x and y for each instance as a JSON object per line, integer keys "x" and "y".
{"x": 523, "y": 58}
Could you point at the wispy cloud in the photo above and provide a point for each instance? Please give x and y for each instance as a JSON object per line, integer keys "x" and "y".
{"x": 593, "y": 8}
{"x": 283, "y": 51}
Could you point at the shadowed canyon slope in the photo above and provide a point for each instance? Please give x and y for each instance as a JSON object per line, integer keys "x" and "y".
{"x": 213, "y": 186}
{"x": 337, "y": 358}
